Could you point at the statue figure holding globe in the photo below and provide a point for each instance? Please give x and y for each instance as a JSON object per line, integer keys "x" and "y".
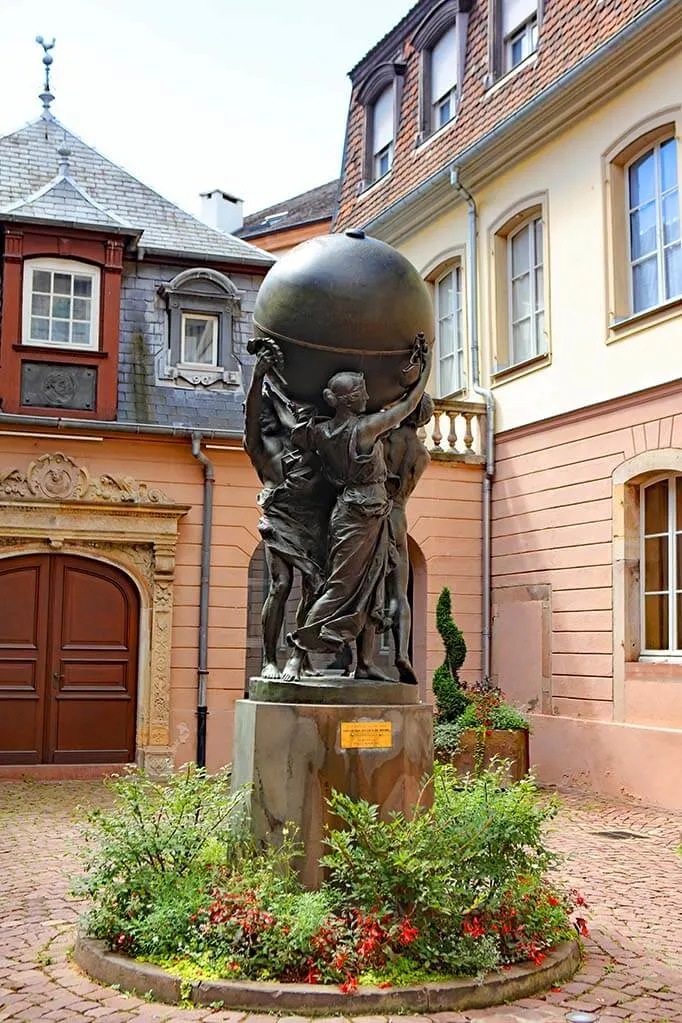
{"x": 343, "y": 362}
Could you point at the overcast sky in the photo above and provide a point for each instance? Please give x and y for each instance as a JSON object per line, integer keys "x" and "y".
{"x": 245, "y": 95}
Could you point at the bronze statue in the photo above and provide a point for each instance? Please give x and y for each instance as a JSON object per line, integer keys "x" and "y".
{"x": 347, "y": 326}
{"x": 406, "y": 459}
{"x": 361, "y": 551}
{"x": 294, "y": 502}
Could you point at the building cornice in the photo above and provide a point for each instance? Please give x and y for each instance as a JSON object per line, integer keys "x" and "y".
{"x": 628, "y": 55}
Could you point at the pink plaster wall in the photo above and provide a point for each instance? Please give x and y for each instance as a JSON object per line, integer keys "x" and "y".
{"x": 621, "y": 760}
{"x": 552, "y": 532}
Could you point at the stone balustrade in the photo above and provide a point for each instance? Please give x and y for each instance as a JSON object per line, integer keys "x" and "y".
{"x": 456, "y": 429}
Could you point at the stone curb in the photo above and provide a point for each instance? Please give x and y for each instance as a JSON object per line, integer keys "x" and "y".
{"x": 495, "y": 989}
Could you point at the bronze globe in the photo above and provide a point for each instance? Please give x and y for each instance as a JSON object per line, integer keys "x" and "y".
{"x": 344, "y": 302}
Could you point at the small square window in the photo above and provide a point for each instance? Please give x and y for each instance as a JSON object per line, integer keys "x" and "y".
{"x": 521, "y": 43}
{"x": 199, "y": 340}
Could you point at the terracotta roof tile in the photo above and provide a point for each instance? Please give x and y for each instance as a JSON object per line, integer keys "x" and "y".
{"x": 570, "y": 31}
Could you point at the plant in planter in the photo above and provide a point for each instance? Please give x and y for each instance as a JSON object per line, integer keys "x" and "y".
{"x": 473, "y": 723}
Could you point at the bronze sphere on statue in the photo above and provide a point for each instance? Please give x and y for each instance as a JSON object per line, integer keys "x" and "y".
{"x": 345, "y": 302}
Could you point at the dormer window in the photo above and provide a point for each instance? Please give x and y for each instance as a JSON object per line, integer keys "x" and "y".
{"x": 380, "y": 97}
{"x": 520, "y": 30}
{"x": 382, "y": 134}
{"x": 443, "y": 59}
{"x": 441, "y": 38}
{"x": 201, "y": 304}
{"x": 61, "y": 304}
{"x": 513, "y": 34}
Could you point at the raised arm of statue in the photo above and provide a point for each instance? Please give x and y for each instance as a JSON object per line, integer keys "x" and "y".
{"x": 268, "y": 359}
{"x": 373, "y": 426}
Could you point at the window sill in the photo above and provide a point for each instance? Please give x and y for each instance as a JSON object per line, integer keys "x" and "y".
{"x": 500, "y": 83}
{"x": 374, "y": 186}
{"x": 60, "y": 350}
{"x": 628, "y": 325}
{"x": 501, "y": 376}
{"x": 425, "y": 142}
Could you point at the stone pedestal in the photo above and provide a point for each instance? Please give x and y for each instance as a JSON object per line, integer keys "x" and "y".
{"x": 372, "y": 741}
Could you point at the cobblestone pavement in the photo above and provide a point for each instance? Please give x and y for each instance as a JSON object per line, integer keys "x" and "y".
{"x": 622, "y": 858}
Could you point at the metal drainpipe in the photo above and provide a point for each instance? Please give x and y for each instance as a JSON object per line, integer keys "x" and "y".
{"x": 487, "y": 395}
{"x": 207, "y": 524}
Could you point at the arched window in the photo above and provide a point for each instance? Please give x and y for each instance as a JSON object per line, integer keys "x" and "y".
{"x": 661, "y": 567}
{"x": 520, "y": 285}
{"x": 449, "y": 332}
{"x": 653, "y": 208}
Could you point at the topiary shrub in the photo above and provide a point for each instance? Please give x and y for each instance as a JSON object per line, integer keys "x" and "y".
{"x": 451, "y": 701}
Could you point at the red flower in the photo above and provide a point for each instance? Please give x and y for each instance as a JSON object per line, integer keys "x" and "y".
{"x": 552, "y": 900}
{"x": 385, "y": 983}
{"x": 349, "y": 985}
{"x": 407, "y": 932}
{"x": 581, "y": 925}
{"x": 473, "y": 927}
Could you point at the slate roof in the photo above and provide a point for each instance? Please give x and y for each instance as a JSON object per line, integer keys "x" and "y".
{"x": 95, "y": 187}
{"x": 61, "y": 199}
{"x": 306, "y": 208}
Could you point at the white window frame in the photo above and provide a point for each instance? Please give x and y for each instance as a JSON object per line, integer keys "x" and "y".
{"x": 538, "y": 344}
{"x": 527, "y": 31}
{"x": 209, "y": 317}
{"x": 661, "y": 246}
{"x": 458, "y": 333}
{"x": 67, "y": 266}
{"x": 674, "y": 595}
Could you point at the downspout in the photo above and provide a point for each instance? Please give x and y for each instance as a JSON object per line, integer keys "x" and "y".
{"x": 207, "y": 524}
{"x": 487, "y": 395}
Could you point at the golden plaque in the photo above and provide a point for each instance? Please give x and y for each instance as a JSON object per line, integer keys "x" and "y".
{"x": 366, "y": 735}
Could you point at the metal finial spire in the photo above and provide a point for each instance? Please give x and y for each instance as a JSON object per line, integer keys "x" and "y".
{"x": 46, "y": 96}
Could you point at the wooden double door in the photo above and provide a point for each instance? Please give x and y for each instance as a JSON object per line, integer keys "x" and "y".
{"x": 68, "y": 661}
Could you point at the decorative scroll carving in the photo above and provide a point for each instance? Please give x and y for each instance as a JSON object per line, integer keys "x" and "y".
{"x": 57, "y": 477}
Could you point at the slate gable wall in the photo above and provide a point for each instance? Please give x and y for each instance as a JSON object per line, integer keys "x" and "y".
{"x": 143, "y": 395}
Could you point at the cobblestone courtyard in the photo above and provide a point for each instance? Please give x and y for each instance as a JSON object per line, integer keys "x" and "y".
{"x": 622, "y": 858}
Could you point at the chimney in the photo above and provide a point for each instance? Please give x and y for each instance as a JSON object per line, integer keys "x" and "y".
{"x": 223, "y": 211}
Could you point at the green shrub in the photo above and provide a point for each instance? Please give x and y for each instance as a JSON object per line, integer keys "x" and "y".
{"x": 446, "y": 736}
{"x": 149, "y": 863}
{"x": 502, "y": 715}
{"x": 450, "y": 699}
{"x": 458, "y": 888}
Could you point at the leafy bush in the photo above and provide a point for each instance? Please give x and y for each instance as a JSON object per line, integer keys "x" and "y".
{"x": 446, "y": 736}
{"x": 458, "y": 888}
{"x": 149, "y": 864}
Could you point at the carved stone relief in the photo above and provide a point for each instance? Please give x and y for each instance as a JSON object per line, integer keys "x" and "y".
{"x": 56, "y": 477}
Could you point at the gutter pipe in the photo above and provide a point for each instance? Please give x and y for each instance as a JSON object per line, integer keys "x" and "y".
{"x": 116, "y": 426}
{"x": 206, "y": 528}
{"x": 487, "y": 395}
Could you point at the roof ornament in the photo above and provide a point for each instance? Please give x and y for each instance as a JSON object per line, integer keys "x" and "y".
{"x": 63, "y": 153}
{"x": 46, "y": 96}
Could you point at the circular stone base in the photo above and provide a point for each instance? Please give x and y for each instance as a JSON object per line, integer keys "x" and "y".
{"x": 326, "y": 999}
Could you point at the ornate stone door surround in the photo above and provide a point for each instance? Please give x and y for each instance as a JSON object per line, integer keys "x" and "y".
{"x": 56, "y": 504}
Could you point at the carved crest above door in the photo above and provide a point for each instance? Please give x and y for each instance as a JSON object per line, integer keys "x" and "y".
{"x": 56, "y": 477}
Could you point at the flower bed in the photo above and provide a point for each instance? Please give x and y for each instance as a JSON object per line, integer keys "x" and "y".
{"x": 459, "y": 889}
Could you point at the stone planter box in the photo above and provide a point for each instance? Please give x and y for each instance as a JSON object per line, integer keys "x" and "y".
{"x": 511, "y": 745}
